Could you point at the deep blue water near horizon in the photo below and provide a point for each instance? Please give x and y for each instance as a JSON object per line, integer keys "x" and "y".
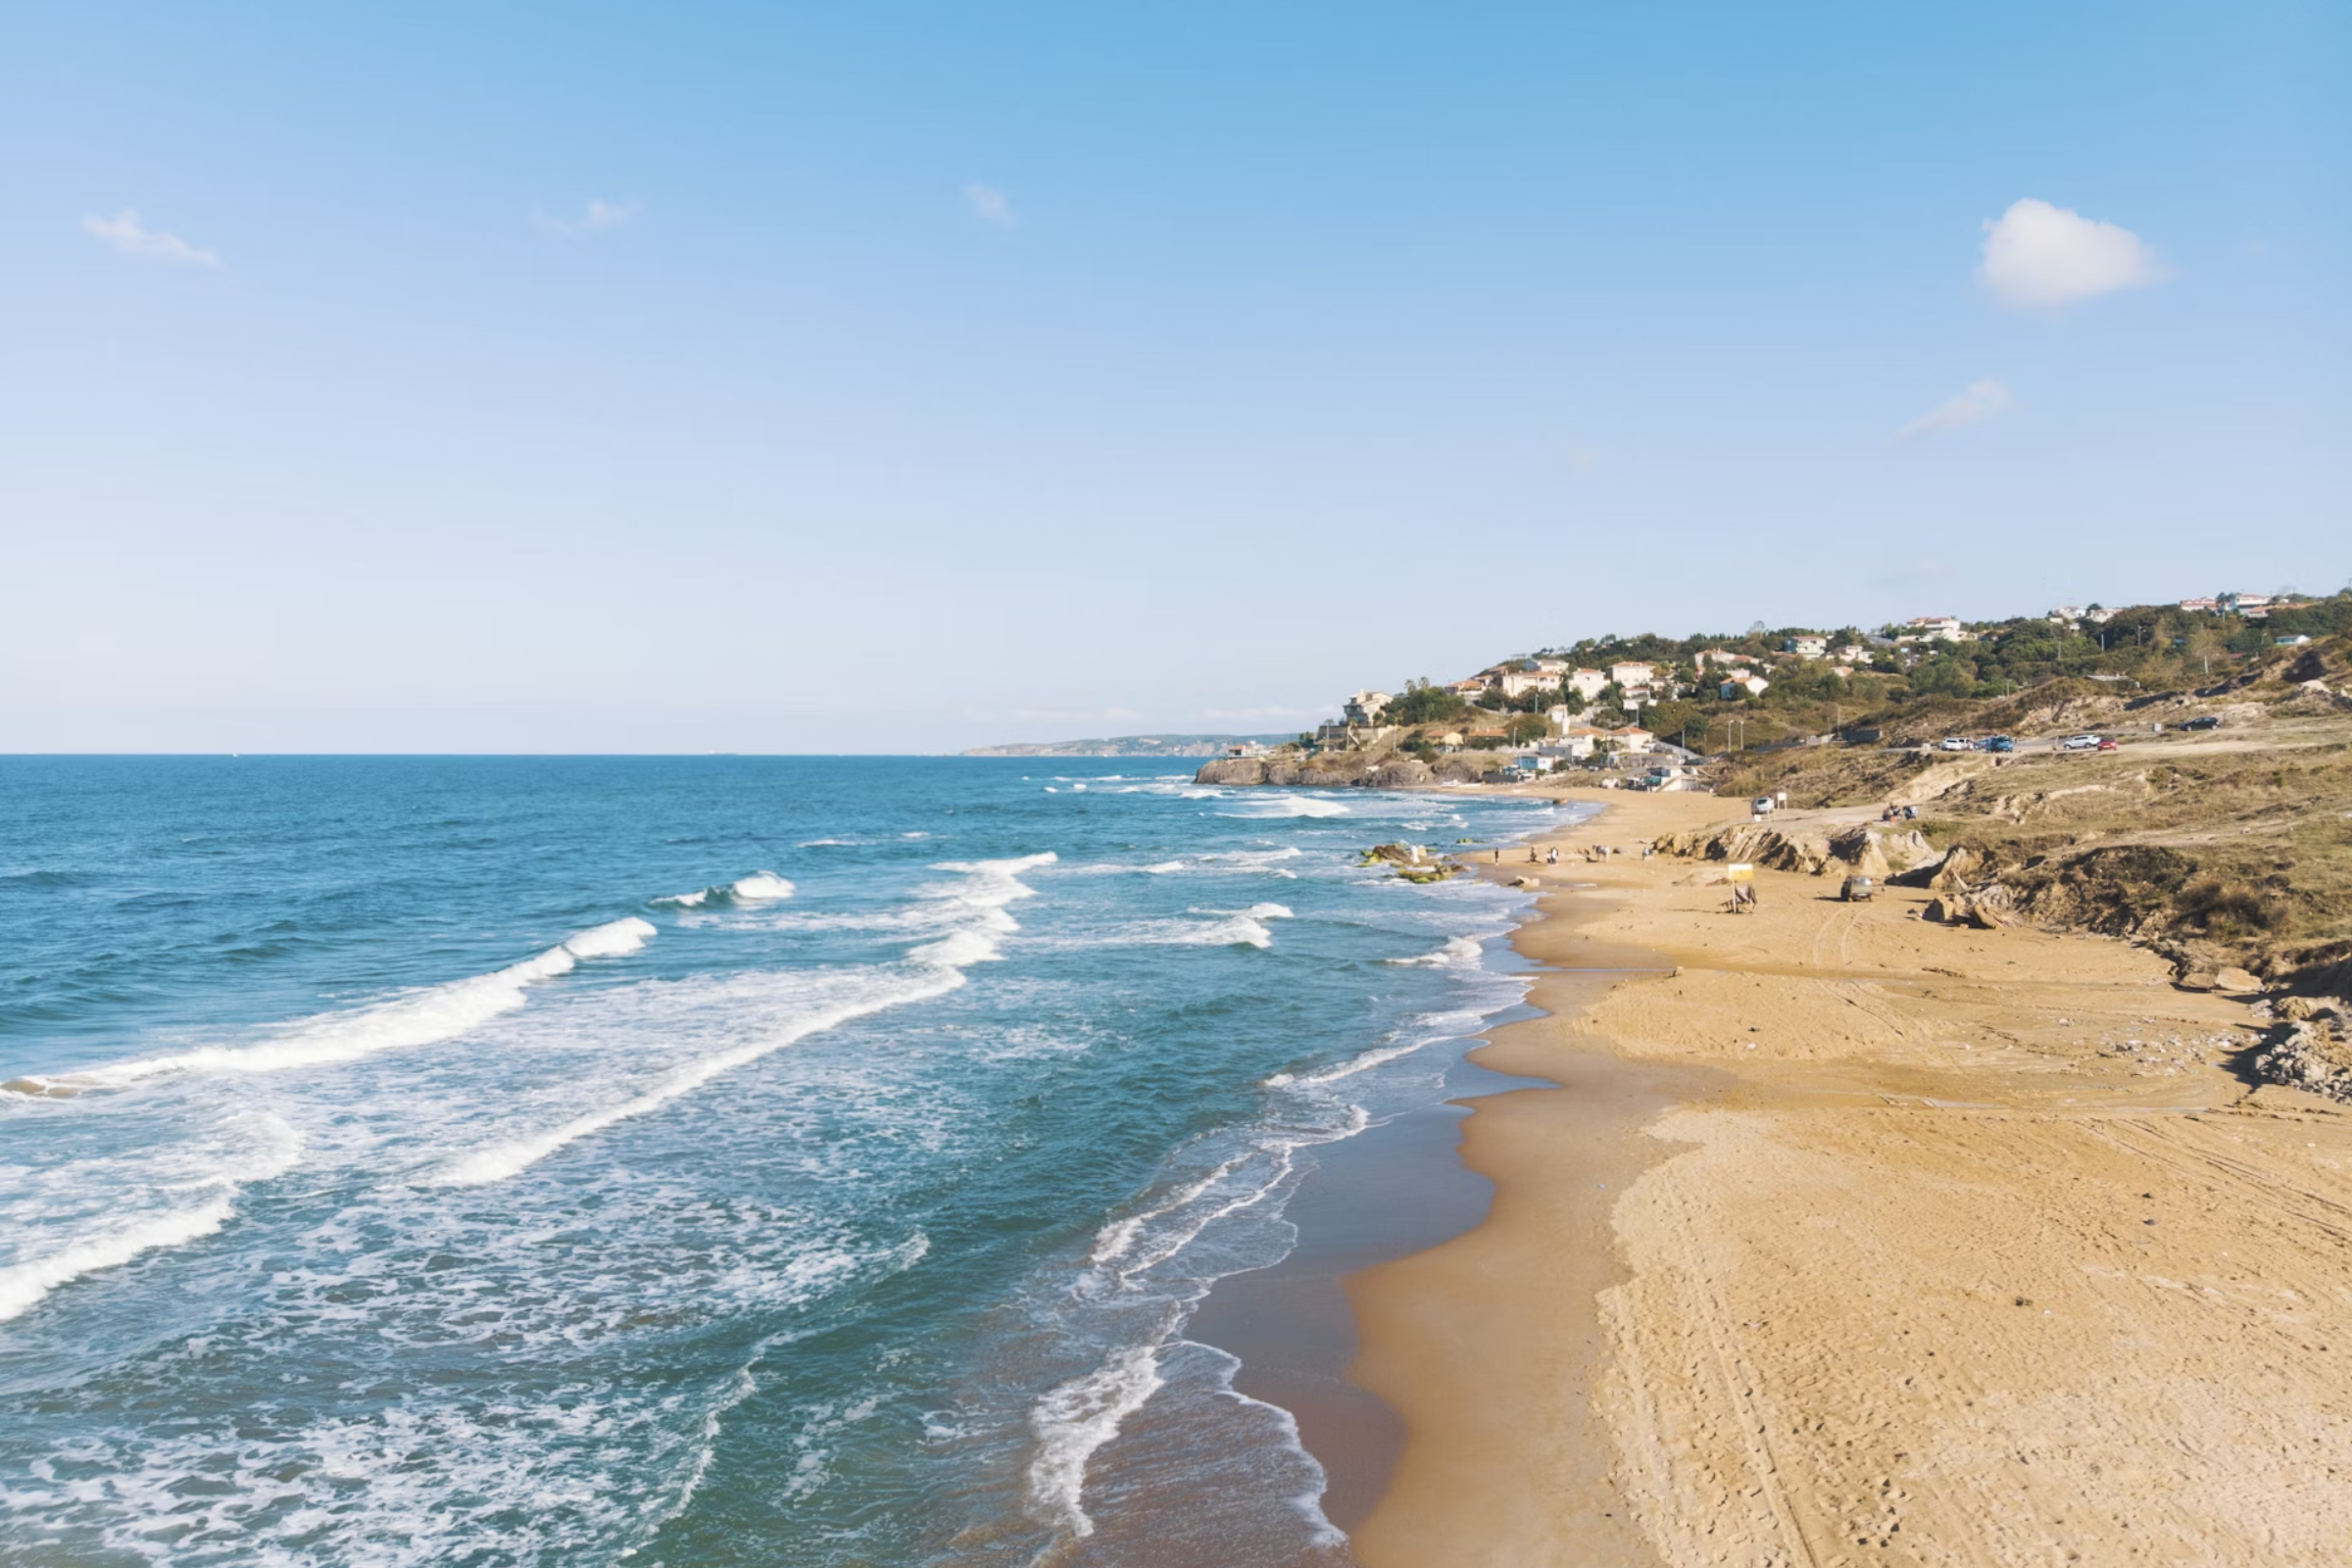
{"x": 684, "y": 1161}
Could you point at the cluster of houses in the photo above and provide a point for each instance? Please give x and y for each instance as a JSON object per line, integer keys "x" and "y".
{"x": 1639, "y": 684}
{"x": 2250, "y": 607}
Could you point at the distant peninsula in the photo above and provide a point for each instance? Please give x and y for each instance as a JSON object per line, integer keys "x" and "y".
{"x": 1131, "y": 746}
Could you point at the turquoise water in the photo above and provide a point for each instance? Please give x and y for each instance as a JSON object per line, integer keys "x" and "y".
{"x": 681, "y": 1161}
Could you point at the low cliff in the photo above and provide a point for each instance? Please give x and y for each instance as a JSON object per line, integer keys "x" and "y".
{"x": 1339, "y": 770}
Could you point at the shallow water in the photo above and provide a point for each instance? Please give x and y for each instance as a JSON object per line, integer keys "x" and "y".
{"x": 692, "y": 1161}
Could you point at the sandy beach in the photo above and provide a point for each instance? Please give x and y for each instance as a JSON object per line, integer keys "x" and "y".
{"x": 1851, "y": 1237}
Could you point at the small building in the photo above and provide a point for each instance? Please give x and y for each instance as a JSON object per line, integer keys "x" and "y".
{"x": 2295, "y": 640}
{"x": 2208, "y": 605}
{"x": 1938, "y": 628}
{"x": 1588, "y": 683}
{"x": 1806, "y": 646}
{"x": 1632, "y": 674}
{"x": 1580, "y": 741}
{"x": 1364, "y": 707}
{"x": 1631, "y": 738}
{"x": 1517, "y": 683}
{"x": 1740, "y": 686}
{"x": 1471, "y": 690}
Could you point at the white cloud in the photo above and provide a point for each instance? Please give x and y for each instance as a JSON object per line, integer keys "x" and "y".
{"x": 597, "y": 217}
{"x": 1972, "y": 403}
{"x": 991, "y": 206}
{"x": 2040, "y": 257}
{"x": 126, "y": 234}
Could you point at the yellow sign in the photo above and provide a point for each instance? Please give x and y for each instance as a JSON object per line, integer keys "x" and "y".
{"x": 1743, "y": 872}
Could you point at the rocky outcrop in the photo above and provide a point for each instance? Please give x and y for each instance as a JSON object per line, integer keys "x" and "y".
{"x": 2313, "y": 1057}
{"x": 1400, "y": 773}
{"x": 1988, "y": 909}
{"x": 1339, "y": 770}
{"x": 1859, "y": 850}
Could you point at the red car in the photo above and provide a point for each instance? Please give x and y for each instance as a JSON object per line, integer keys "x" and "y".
{"x": 2106, "y": 743}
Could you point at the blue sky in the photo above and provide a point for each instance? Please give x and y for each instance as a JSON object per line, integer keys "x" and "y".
{"x": 898, "y": 378}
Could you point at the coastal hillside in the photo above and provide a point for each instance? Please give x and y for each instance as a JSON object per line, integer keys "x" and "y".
{"x": 2188, "y": 790}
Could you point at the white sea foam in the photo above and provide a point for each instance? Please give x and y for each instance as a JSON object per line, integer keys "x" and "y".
{"x": 1281, "y": 806}
{"x": 262, "y": 1146}
{"x": 1076, "y": 1418}
{"x": 611, "y": 939}
{"x": 1458, "y": 952}
{"x": 1113, "y": 1240}
{"x": 959, "y": 949}
{"x": 504, "y": 1161}
{"x": 819, "y": 844}
{"x": 762, "y": 887}
{"x": 1238, "y": 931}
{"x": 421, "y": 1018}
{"x": 1252, "y": 861}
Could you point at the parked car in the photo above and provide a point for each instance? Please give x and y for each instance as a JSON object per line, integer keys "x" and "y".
{"x": 2106, "y": 743}
{"x": 1857, "y": 890}
{"x": 2000, "y": 743}
{"x": 2204, "y": 722}
{"x": 2081, "y": 743}
{"x": 1762, "y": 805}
{"x": 1958, "y": 743}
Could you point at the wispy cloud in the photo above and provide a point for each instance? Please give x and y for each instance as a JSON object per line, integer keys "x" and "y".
{"x": 1972, "y": 403}
{"x": 991, "y": 206}
{"x": 128, "y": 234}
{"x": 2040, "y": 257}
{"x": 597, "y": 217}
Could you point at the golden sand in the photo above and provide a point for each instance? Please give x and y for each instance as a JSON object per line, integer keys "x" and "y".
{"x": 1906, "y": 1253}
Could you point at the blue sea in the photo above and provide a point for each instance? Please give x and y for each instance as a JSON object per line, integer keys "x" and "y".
{"x": 683, "y": 1162}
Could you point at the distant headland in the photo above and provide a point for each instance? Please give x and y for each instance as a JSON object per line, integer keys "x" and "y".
{"x": 1131, "y": 746}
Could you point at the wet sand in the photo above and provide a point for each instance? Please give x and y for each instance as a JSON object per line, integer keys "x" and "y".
{"x": 1915, "y": 1246}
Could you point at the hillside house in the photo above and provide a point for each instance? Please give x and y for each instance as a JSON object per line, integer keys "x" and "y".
{"x": 1364, "y": 707}
{"x": 1850, "y": 653}
{"x": 1806, "y": 646}
{"x": 1740, "y": 686}
{"x": 1632, "y": 674}
{"x": 1938, "y": 628}
{"x": 1517, "y": 683}
{"x": 1471, "y": 690}
{"x": 1588, "y": 683}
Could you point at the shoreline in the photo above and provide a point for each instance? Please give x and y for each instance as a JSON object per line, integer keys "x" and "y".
{"x": 1915, "y": 1245}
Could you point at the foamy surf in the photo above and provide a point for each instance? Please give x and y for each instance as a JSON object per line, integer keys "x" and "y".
{"x": 1458, "y": 952}
{"x": 123, "y": 1229}
{"x": 420, "y": 1018}
{"x": 1075, "y": 1419}
{"x": 511, "y": 1158}
{"x": 761, "y": 886}
{"x": 1282, "y": 806}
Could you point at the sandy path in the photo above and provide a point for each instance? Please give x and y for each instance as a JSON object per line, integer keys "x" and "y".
{"x": 1925, "y": 1263}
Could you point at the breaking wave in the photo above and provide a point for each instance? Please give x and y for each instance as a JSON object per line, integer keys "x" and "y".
{"x": 420, "y": 1018}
